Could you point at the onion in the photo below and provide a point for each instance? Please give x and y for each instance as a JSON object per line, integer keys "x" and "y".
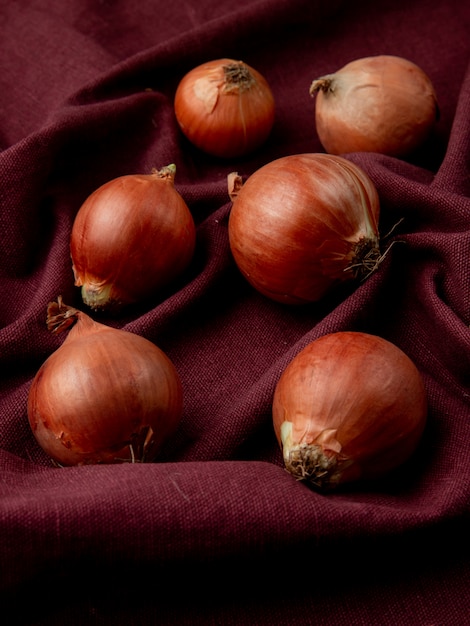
{"x": 349, "y": 406}
{"x": 225, "y": 108}
{"x": 105, "y": 396}
{"x": 302, "y": 224}
{"x": 130, "y": 238}
{"x": 380, "y": 104}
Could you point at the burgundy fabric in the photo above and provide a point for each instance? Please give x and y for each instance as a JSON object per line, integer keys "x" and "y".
{"x": 216, "y": 531}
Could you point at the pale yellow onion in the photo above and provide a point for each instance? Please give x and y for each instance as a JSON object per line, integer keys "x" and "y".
{"x": 381, "y": 103}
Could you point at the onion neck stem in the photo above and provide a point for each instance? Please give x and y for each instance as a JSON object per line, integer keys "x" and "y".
{"x": 60, "y": 316}
{"x": 238, "y": 77}
{"x": 324, "y": 83}
{"x": 168, "y": 172}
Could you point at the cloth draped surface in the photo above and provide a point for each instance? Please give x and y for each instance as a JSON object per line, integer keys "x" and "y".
{"x": 215, "y": 531}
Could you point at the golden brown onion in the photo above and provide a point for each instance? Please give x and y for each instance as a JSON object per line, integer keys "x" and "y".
{"x": 302, "y": 224}
{"x": 349, "y": 406}
{"x": 105, "y": 396}
{"x": 225, "y": 108}
{"x": 382, "y": 103}
{"x": 130, "y": 238}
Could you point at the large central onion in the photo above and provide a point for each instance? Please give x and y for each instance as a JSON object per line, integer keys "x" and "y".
{"x": 302, "y": 224}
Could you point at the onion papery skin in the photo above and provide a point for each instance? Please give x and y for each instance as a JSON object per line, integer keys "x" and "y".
{"x": 131, "y": 237}
{"x": 383, "y": 104}
{"x": 225, "y": 108}
{"x": 304, "y": 223}
{"x": 350, "y": 406}
{"x": 104, "y": 396}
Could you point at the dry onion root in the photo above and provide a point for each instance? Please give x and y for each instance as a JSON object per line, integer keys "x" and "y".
{"x": 382, "y": 103}
{"x": 350, "y": 406}
{"x": 105, "y": 396}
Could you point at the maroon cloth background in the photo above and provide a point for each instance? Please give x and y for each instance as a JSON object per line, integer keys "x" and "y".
{"x": 217, "y": 532}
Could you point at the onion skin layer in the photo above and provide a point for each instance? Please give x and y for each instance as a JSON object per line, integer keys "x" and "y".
{"x": 130, "y": 238}
{"x": 383, "y": 104}
{"x": 104, "y": 396}
{"x": 225, "y": 108}
{"x": 304, "y": 223}
{"x": 350, "y": 406}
